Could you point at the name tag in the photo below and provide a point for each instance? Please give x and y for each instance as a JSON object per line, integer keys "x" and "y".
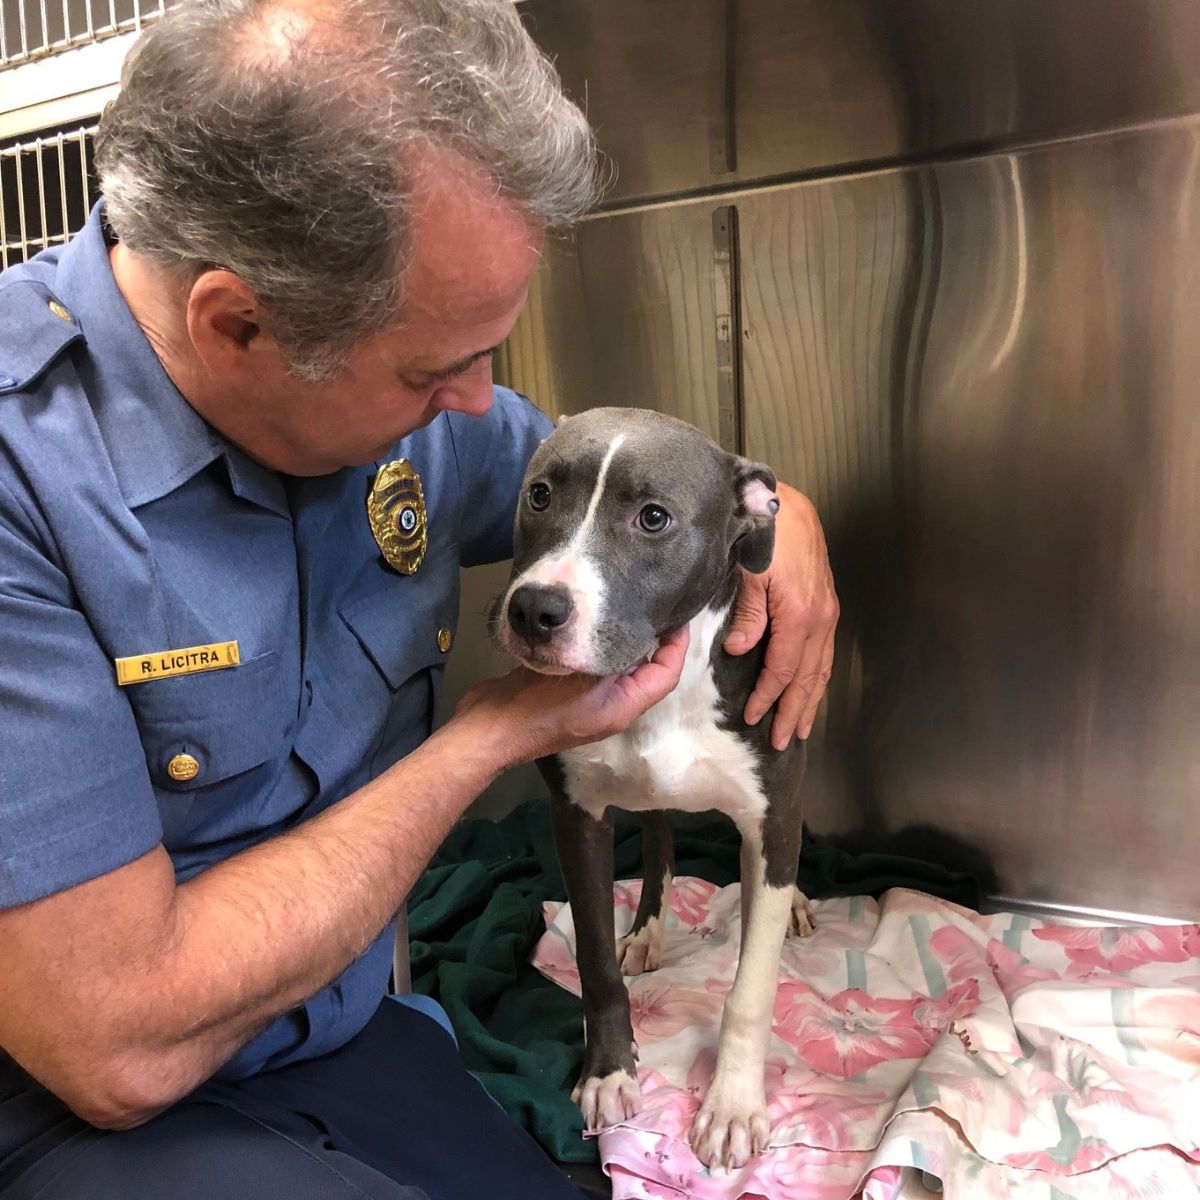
{"x": 164, "y": 663}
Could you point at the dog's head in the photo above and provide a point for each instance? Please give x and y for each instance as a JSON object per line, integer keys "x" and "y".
{"x": 630, "y": 523}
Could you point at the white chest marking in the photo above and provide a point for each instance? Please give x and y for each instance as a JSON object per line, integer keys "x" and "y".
{"x": 677, "y": 755}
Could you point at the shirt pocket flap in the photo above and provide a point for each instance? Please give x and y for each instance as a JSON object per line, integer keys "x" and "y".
{"x": 406, "y": 623}
{"x": 225, "y": 721}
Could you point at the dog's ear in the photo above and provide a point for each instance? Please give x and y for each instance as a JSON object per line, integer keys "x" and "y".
{"x": 754, "y": 507}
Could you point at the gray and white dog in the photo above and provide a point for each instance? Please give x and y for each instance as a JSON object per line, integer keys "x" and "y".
{"x": 633, "y": 524}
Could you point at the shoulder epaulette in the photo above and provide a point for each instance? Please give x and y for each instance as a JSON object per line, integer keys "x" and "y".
{"x": 35, "y": 328}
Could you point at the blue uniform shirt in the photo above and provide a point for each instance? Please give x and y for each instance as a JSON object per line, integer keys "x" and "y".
{"x": 128, "y": 526}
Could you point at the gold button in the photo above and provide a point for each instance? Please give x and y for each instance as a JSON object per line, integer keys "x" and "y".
{"x": 445, "y": 639}
{"x": 60, "y": 312}
{"x": 182, "y": 768}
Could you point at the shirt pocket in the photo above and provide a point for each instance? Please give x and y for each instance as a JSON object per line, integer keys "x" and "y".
{"x": 404, "y": 627}
{"x": 226, "y": 721}
{"x": 405, "y": 623}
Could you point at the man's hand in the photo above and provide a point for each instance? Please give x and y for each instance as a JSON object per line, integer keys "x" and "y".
{"x": 796, "y": 594}
{"x": 532, "y": 715}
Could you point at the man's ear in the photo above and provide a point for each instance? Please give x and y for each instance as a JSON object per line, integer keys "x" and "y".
{"x": 224, "y": 320}
{"x": 754, "y": 507}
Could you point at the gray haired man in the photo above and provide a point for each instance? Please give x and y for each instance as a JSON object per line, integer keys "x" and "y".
{"x": 218, "y": 774}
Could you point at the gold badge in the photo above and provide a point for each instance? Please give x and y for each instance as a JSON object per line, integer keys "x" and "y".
{"x": 162, "y": 664}
{"x": 396, "y": 510}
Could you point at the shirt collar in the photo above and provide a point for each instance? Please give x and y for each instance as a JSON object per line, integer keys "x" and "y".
{"x": 155, "y": 439}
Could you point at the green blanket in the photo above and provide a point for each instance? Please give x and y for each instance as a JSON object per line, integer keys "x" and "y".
{"x": 475, "y": 916}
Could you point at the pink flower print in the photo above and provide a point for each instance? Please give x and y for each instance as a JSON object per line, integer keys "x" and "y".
{"x": 650, "y": 1080}
{"x": 1121, "y": 948}
{"x": 567, "y": 977}
{"x": 883, "y": 1183}
{"x": 554, "y": 955}
{"x": 804, "y": 962}
{"x": 960, "y": 1001}
{"x": 700, "y": 1073}
{"x": 1090, "y": 1155}
{"x": 1074, "y": 1152}
{"x": 626, "y": 895}
{"x": 788, "y": 994}
{"x": 961, "y": 956}
{"x": 849, "y": 1032}
{"x": 661, "y": 1010}
{"x": 690, "y": 898}
{"x": 1135, "y": 1177}
{"x": 1066, "y": 1074}
{"x": 1012, "y": 971}
{"x": 719, "y": 985}
{"x": 815, "y": 1175}
{"x": 644, "y": 1189}
{"x": 823, "y": 1118}
{"x": 790, "y": 1083}
{"x": 667, "y": 1109}
{"x": 1171, "y": 1024}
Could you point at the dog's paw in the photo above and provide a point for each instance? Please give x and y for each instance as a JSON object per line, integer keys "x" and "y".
{"x": 641, "y": 951}
{"x": 607, "y": 1100}
{"x": 731, "y": 1126}
{"x": 802, "y": 922}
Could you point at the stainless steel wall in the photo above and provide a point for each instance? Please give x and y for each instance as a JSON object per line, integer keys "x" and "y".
{"x": 939, "y": 263}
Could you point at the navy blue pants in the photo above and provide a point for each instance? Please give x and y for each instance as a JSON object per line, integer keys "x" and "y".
{"x": 392, "y": 1115}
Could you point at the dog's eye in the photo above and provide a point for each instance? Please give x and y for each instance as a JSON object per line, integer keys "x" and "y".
{"x": 653, "y": 518}
{"x": 539, "y": 497}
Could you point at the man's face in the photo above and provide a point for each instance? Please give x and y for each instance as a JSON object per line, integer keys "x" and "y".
{"x": 473, "y": 258}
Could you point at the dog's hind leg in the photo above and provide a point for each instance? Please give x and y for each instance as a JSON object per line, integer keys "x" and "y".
{"x": 802, "y": 922}
{"x": 607, "y": 1092}
{"x": 641, "y": 948}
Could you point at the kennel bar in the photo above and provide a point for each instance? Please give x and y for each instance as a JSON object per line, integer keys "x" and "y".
{"x": 47, "y": 192}
{"x": 34, "y": 29}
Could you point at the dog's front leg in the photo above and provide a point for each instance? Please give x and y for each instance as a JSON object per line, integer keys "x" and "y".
{"x": 802, "y": 922}
{"x": 732, "y": 1122}
{"x": 607, "y": 1091}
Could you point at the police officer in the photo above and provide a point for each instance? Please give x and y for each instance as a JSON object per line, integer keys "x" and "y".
{"x": 248, "y": 436}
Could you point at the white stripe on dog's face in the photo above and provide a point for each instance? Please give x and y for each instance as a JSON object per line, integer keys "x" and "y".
{"x": 575, "y": 570}
{"x": 589, "y": 518}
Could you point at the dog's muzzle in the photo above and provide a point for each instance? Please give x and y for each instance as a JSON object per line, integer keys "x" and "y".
{"x": 536, "y": 613}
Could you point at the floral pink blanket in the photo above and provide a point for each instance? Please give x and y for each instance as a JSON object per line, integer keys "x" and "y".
{"x": 919, "y": 1048}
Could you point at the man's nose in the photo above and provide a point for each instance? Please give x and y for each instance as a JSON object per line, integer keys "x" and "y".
{"x": 471, "y": 393}
{"x": 536, "y": 613}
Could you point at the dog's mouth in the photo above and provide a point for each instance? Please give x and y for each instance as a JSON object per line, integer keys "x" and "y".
{"x": 553, "y": 660}
{"x": 546, "y": 659}
{"x": 542, "y": 660}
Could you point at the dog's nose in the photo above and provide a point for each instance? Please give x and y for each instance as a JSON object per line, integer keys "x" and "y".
{"x": 536, "y": 612}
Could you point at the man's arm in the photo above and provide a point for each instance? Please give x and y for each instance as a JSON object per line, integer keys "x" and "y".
{"x": 796, "y": 595}
{"x": 124, "y": 993}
